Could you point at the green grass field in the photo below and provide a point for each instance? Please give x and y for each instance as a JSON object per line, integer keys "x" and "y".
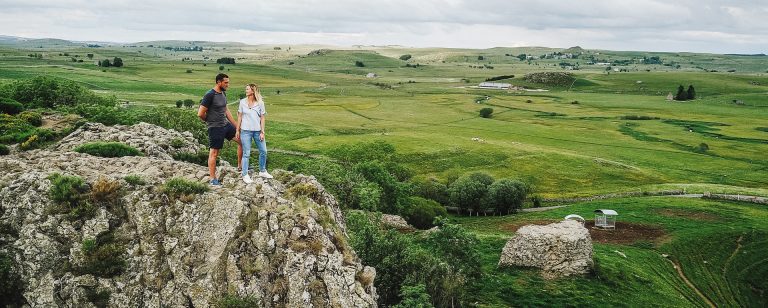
{"x": 578, "y": 140}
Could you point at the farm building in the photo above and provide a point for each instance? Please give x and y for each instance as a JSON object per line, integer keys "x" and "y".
{"x": 371, "y": 75}
{"x": 495, "y": 85}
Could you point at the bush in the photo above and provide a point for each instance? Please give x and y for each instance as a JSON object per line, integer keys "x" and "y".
{"x": 105, "y": 192}
{"x": 102, "y": 257}
{"x": 703, "y": 147}
{"x": 108, "y": 149}
{"x": 536, "y": 200}
{"x": 10, "y": 106}
{"x": 507, "y": 195}
{"x": 11, "y": 287}
{"x": 38, "y": 138}
{"x": 225, "y": 60}
{"x": 199, "y": 157}
{"x": 431, "y": 188}
{"x": 67, "y": 189}
{"x": 231, "y": 301}
{"x": 359, "y": 64}
{"x": 49, "y": 92}
{"x": 367, "y": 196}
{"x": 189, "y": 103}
{"x": 182, "y": 186}
{"x": 405, "y": 57}
{"x": 177, "y": 143}
{"x": 179, "y": 103}
{"x": 4, "y": 150}
{"x": 421, "y": 212}
{"x": 486, "y": 112}
{"x": 134, "y": 179}
{"x": 414, "y": 297}
{"x": 31, "y": 117}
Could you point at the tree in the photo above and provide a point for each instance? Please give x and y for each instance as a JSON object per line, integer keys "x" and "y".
{"x": 421, "y": 212}
{"x": 469, "y": 191}
{"x": 104, "y": 63}
{"x": 480, "y": 58}
{"x": 221, "y": 67}
{"x": 486, "y": 112}
{"x": 405, "y": 57}
{"x": 522, "y": 57}
{"x": 90, "y": 56}
{"x": 507, "y": 195}
{"x": 117, "y": 62}
{"x": 681, "y": 94}
{"x": 359, "y": 64}
{"x": 179, "y": 103}
{"x": 189, "y": 103}
{"x": 414, "y": 297}
{"x": 691, "y": 93}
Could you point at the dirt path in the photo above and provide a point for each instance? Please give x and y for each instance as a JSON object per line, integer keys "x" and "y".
{"x": 688, "y": 282}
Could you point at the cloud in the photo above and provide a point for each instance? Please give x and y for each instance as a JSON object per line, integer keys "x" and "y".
{"x": 707, "y": 25}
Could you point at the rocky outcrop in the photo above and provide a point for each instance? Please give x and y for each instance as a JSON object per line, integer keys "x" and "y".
{"x": 279, "y": 242}
{"x": 559, "y": 249}
{"x": 152, "y": 140}
{"x": 395, "y": 222}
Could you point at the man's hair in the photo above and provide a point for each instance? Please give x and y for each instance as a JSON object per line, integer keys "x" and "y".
{"x": 221, "y": 77}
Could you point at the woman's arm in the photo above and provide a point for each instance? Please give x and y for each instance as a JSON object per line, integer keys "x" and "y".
{"x": 262, "y": 120}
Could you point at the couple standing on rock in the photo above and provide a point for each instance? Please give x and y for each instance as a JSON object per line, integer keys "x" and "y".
{"x": 251, "y": 115}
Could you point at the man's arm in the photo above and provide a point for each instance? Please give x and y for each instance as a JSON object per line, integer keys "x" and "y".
{"x": 202, "y": 112}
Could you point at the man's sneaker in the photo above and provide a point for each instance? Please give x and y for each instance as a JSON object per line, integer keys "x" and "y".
{"x": 247, "y": 179}
{"x": 265, "y": 174}
{"x": 215, "y": 183}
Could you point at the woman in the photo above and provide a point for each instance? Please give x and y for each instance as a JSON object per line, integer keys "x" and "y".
{"x": 250, "y": 127}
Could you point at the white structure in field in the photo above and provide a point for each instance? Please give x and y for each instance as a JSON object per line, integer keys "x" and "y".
{"x": 495, "y": 85}
{"x": 605, "y": 219}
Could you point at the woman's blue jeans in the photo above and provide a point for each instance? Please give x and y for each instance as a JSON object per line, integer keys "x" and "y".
{"x": 246, "y": 136}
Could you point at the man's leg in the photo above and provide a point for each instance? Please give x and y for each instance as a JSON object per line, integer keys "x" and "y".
{"x": 212, "y": 162}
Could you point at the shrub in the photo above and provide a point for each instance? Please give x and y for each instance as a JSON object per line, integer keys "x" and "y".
{"x": 199, "y": 157}
{"x": 67, "y": 189}
{"x": 105, "y": 192}
{"x": 405, "y": 57}
{"x": 486, "y": 112}
{"x": 189, "y": 71}
{"x": 31, "y": 117}
{"x": 421, "y": 212}
{"x": 102, "y": 257}
{"x": 134, "y": 179}
{"x": 10, "y": 106}
{"x": 359, "y": 64}
{"x": 703, "y": 147}
{"x": 307, "y": 190}
{"x": 182, "y": 186}
{"x": 4, "y": 150}
{"x": 232, "y": 301}
{"x": 50, "y": 92}
{"x": 507, "y": 195}
{"x": 108, "y": 149}
{"x": 536, "y": 200}
{"x": 431, "y": 188}
{"x": 177, "y": 143}
{"x": 11, "y": 287}
{"x": 189, "y": 103}
{"x": 179, "y": 103}
{"x": 367, "y": 196}
{"x": 414, "y": 297}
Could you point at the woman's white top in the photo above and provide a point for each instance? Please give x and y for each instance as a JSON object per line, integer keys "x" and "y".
{"x": 251, "y": 115}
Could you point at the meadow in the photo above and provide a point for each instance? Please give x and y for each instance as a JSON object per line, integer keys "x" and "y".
{"x": 611, "y": 130}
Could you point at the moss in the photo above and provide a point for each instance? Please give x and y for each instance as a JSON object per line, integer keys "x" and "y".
{"x": 234, "y": 301}
{"x": 103, "y": 257}
{"x": 305, "y": 190}
{"x": 135, "y": 180}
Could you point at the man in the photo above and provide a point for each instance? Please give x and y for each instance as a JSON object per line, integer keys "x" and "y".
{"x": 214, "y": 112}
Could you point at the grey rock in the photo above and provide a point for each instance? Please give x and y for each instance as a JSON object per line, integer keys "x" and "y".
{"x": 242, "y": 240}
{"x": 559, "y": 249}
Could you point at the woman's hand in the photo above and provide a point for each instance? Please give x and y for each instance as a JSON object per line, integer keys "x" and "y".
{"x": 237, "y": 136}
{"x": 261, "y": 136}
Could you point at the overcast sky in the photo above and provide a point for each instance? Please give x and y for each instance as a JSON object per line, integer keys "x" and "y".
{"x": 738, "y": 26}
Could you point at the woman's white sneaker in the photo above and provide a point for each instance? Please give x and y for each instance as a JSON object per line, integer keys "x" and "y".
{"x": 265, "y": 174}
{"x": 247, "y": 179}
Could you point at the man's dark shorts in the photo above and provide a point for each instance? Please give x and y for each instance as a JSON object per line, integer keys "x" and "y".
{"x": 216, "y": 135}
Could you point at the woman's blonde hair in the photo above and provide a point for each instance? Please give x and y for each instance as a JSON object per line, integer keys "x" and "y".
{"x": 256, "y": 92}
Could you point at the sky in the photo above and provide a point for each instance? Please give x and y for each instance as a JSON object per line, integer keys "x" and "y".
{"x": 738, "y": 26}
